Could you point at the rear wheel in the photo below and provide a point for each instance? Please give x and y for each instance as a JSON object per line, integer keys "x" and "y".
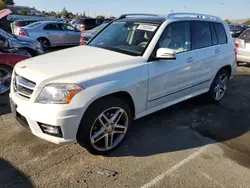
{"x": 5, "y": 79}
{"x": 219, "y": 86}
{"x": 44, "y": 42}
{"x": 104, "y": 125}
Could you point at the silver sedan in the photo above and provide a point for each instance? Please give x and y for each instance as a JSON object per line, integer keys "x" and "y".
{"x": 52, "y": 33}
{"x": 243, "y": 47}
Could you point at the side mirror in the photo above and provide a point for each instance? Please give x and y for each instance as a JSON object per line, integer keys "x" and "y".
{"x": 165, "y": 53}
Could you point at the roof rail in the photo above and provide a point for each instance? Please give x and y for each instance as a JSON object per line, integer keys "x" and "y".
{"x": 127, "y": 15}
{"x": 194, "y": 15}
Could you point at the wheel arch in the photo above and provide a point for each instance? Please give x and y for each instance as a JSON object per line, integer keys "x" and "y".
{"x": 228, "y": 68}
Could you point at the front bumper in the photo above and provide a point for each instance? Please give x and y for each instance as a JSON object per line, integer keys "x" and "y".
{"x": 32, "y": 114}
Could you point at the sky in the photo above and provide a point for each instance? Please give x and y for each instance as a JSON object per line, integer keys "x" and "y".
{"x": 231, "y": 9}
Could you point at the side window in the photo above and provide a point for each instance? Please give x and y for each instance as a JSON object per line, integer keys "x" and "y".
{"x": 245, "y": 35}
{"x": 214, "y": 36}
{"x": 52, "y": 27}
{"x": 177, "y": 37}
{"x": 201, "y": 33}
{"x": 221, "y": 34}
{"x": 67, "y": 27}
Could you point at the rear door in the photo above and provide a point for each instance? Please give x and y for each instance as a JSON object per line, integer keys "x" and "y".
{"x": 72, "y": 36}
{"x": 55, "y": 34}
{"x": 206, "y": 46}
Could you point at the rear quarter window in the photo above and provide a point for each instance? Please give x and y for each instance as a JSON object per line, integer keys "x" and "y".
{"x": 221, "y": 33}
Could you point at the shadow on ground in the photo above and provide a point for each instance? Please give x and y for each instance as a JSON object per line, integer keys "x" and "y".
{"x": 10, "y": 176}
{"x": 182, "y": 126}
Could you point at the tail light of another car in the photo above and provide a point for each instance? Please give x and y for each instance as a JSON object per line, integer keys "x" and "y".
{"x": 23, "y": 33}
{"x": 83, "y": 26}
{"x": 18, "y": 25}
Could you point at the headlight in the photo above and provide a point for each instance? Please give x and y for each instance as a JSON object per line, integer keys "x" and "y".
{"x": 58, "y": 93}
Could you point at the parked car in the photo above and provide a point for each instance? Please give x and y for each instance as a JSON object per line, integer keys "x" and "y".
{"x": 9, "y": 41}
{"x": 87, "y": 23}
{"x": 237, "y": 29}
{"x": 52, "y": 33}
{"x": 4, "y": 22}
{"x": 243, "y": 47}
{"x": 137, "y": 65}
{"x": 7, "y": 62}
{"x": 16, "y": 25}
{"x": 87, "y": 35}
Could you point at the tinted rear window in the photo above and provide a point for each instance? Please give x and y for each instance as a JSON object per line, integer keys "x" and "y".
{"x": 245, "y": 35}
{"x": 221, "y": 33}
{"x": 90, "y": 21}
{"x": 202, "y": 36}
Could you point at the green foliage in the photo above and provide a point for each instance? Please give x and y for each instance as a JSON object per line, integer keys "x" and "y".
{"x": 64, "y": 13}
{"x": 100, "y": 17}
{"x": 8, "y": 2}
{"x": 22, "y": 12}
{"x": 2, "y": 6}
{"x": 247, "y": 22}
{"x": 228, "y": 21}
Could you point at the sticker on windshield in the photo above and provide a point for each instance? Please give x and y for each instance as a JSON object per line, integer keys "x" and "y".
{"x": 146, "y": 27}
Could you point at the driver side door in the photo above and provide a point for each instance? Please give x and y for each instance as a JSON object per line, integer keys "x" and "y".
{"x": 172, "y": 80}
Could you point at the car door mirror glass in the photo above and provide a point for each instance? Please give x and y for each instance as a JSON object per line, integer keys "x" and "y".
{"x": 165, "y": 53}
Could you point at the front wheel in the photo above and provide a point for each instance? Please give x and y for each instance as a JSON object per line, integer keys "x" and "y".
{"x": 219, "y": 86}
{"x": 5, "y": 79}
{"x": 104, "y": 125}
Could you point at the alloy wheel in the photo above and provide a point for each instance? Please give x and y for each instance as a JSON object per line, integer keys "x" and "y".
{"x": 220, "y": 87}
{"x": 109, "y": 129}
{"x": 5, "y": 80}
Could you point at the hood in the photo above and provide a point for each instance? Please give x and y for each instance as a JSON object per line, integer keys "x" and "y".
{"x": 71, "y": 64}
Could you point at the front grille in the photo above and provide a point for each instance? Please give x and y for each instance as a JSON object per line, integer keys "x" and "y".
{"x": 23, "y": 86}
{"x": 22, "y": 120}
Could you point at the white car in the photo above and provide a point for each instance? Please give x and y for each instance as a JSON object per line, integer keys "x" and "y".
{"x": 137, "y": 65}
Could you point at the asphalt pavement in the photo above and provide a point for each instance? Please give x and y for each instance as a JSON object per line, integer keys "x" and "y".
{"x": 192, "y": 144}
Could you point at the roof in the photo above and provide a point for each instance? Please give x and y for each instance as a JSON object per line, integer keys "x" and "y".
{"x": 157, "y": 19}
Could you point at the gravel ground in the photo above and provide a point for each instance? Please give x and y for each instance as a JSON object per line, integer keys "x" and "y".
{"x": 192, "y": 144}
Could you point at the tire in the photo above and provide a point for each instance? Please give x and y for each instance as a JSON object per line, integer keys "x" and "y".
{"x": 211, "y": 95}
{"x": 5, "y": 85}
{"x": 90, "y": 127}
{"x": 44, "y": 42}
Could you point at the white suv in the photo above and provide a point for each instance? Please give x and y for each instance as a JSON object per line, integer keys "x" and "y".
{"x": 135, "y": 66}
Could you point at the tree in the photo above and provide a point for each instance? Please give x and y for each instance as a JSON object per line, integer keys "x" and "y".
{"x": 8, "y": 2}
{"x": 64, "y": 13}
{"x": 247, "y": 22}
{"x": 2, "y": 6}
{"x": 228, "y": 21}
{"x": 22, "y": 12}
{"x": 100, "y": 17}
{"x": 84, "y": 15}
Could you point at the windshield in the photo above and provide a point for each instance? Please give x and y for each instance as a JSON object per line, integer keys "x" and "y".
{"x": 236, "y": 27}
{"x": 130, "y": 38}
{"x": 33, "y": 24}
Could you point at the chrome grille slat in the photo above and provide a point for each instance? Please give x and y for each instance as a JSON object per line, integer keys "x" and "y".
{"x": 23, "y": 86}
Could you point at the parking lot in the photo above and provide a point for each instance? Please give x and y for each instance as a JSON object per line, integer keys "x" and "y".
{"x": 192, "y": 144}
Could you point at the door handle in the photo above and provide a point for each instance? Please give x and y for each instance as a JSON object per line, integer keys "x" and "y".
{"x": 217, "y": 51}
{"x": 190, "y": 60}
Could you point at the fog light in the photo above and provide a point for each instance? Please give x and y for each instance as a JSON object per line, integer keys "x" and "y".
{"x": 51, "y": 130}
